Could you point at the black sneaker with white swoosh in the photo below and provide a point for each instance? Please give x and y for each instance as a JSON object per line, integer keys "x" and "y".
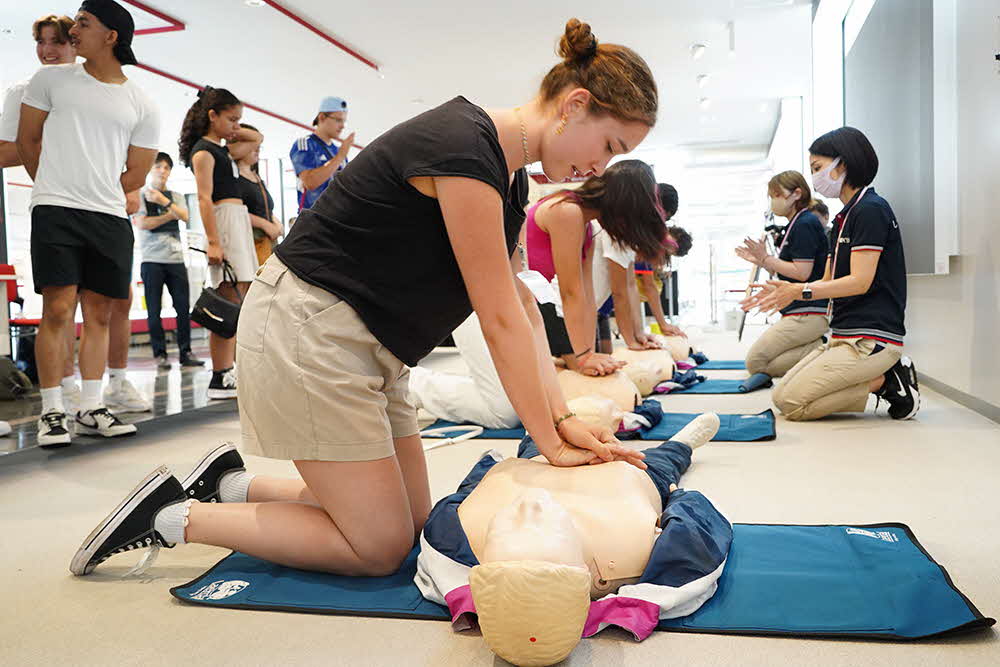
{"x": 901, "y": 389}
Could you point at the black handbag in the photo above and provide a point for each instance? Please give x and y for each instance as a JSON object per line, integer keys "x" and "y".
{"x": 214, "y": 311}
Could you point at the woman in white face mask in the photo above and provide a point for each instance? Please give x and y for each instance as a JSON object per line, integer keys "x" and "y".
{"x": 801, "y": 258}
{"x": 865, "y": 281}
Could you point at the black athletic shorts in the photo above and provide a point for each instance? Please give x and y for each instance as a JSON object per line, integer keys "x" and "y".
{"x": 558, "y": 336}
{"x": 92, "y": 250}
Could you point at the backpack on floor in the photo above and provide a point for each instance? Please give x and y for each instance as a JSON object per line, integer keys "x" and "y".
{"x": 13, "y": 383}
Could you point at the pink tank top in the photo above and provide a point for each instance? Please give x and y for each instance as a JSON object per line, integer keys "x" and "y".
{"x": 539, "y": 243}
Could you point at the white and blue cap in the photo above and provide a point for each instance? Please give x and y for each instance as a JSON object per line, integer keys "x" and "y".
{"x": 330, "y": 104}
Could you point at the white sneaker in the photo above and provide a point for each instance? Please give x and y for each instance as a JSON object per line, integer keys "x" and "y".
{"x": 102, "y": 422}
{"x": 53, "y": 430}
{"x": 700, "y": 430}
{"x": 126, "y": 399}
{"x": 71, "y": 398}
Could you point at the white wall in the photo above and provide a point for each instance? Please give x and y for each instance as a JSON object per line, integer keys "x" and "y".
{"x": 953, "y": 321}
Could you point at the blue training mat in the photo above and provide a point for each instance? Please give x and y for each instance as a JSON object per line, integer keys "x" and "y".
{"x": 713, "y": 386}
{"x": 871, "y": 581}
{"x": 732, "y": 428}
{"x": 723, "y": 365}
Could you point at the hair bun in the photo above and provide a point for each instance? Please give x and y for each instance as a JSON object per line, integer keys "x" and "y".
{"x": 578, "y": 42}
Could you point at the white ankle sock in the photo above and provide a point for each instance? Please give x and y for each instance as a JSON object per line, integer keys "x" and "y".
{"x": 52, "y": 399}
{"x": 171, "y": 521}
{"x": 234, "y": 486}
{"x": 115, "y": 378}
{"x": 90, "y": 395}
{"x": 68, "y": 382}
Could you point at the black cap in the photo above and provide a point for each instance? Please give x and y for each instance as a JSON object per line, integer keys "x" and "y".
{"x": 117, "y": 18}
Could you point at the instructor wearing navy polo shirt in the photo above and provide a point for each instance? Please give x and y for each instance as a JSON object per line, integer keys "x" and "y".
{"x": 315, "y": 157}
{"x": 865, "y": 280}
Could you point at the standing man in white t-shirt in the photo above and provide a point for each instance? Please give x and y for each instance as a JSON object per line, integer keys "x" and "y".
{"x": 96, "y": 123}
{"x": 52, "y": 47}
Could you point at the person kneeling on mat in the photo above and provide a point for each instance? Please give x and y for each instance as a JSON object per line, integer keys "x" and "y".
{"x": 527, "y": 546}
{"x": 865, "y": 280}
{"x": 440, "y": 198}
{"x": 801, "y": 259}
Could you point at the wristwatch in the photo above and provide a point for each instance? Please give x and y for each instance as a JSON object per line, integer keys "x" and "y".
{"x": 807, "y": 293}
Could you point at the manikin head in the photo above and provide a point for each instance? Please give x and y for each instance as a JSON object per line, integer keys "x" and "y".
{"x": 532, "y": 590}
{"x": 600, "y": 101}
{"x": 52, "y": 41}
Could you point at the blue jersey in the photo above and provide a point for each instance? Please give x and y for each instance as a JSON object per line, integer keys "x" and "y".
{"x": 309, "y": 152}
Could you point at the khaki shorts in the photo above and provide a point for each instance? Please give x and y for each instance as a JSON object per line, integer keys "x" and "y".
{"x": 314, "y": 383}
{"x": 232, "y": 222}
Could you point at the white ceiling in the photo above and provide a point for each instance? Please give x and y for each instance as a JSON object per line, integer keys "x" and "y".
{"x": 493, "y": 53}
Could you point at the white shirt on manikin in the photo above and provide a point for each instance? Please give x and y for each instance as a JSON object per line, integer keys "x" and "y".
{"x": 11, "y": 114}
{"x": 86, "y": 137}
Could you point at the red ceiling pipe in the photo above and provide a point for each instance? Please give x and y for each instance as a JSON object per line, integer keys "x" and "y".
{"x": 174, "y": 24}
{"x": 309, "y": 26}
{"x": 192, "y": 84}
{"x": 177, "y": 25}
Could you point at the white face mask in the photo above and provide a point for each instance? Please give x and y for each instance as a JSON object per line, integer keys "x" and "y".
{"x": 827, "y": 186}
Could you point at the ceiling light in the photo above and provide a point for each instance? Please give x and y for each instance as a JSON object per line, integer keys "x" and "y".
{"x": 697, "y": 51}
{"x": 705, "y": 103}
{"x": 254, "y": 3}
{"x": 702, "y": 80}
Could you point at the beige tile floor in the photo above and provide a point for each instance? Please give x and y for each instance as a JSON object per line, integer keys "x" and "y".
{"x": 937, "y": 474}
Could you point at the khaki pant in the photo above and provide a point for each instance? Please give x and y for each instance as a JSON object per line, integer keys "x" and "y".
{"x": 785, "y": 344}
{"x": 314, "y": 383}
{"x": 833, "y": 378}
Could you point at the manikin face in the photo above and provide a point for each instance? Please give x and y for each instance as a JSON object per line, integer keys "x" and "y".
{"x": 50, "y": 51}
{"x": 332, "y": 123}
{"x": 89, "y": 36}
{"x": 534, "y": 527}
{"x": 588, "y": 141}
{"x": 226, "y": 123}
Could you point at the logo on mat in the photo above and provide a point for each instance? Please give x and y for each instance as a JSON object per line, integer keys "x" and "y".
{"x": 220, "y": 590}
{"x": 883, "y": 535}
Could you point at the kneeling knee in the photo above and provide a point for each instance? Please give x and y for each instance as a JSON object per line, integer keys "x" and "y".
{"x": 756, "y": 364}
{"x": 384, "y": 560}
{"x": 789, "y": 407}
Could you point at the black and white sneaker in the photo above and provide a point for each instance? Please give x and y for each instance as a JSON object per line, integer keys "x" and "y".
{"x": 130, "y": 525}
{"x": 223, "y": 384}
{"x": 901, "y": 389}
{"x": 203, "y": 482}
{"x": 102, "y": 422}
{"x": 53, "y": 430}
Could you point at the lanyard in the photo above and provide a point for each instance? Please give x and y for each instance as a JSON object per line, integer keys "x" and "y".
{"x": 836, "y": 248}
{"x": 788, "y": 231}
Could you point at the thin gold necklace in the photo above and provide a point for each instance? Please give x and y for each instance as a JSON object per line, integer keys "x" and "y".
{"x": 524, "y": 136}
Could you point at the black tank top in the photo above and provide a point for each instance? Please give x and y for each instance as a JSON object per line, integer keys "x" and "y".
{"x": 225, "y": 174}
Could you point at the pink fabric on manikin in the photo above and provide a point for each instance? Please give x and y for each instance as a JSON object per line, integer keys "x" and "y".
{"x": 640, "y": 617}
{"x": 540, "y": 243}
